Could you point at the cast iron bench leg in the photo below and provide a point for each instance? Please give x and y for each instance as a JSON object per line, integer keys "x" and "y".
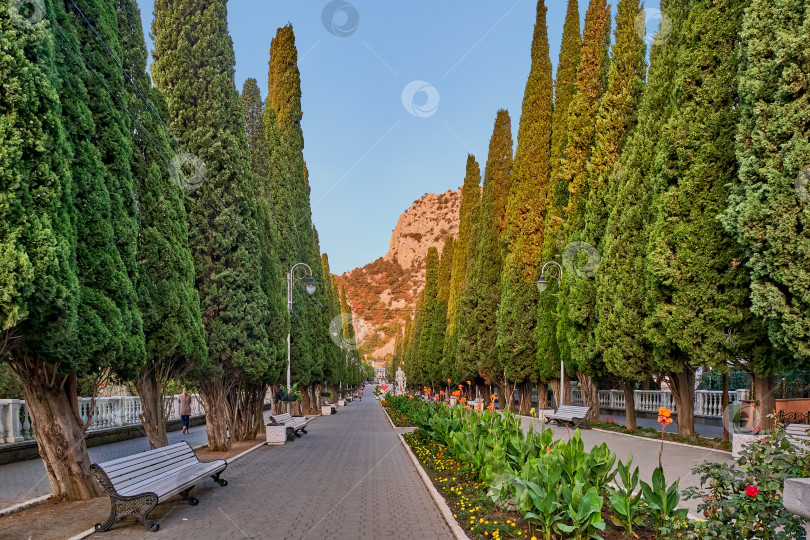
{"x": 193, "y": 501}
{"x": 219, "y": 480}
{"x": 138, "y": 507}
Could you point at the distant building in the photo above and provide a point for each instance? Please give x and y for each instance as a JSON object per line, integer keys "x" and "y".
{"x": 379, "y": 371}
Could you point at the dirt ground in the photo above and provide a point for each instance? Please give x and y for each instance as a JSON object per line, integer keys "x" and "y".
{"x": 58, "y": 521}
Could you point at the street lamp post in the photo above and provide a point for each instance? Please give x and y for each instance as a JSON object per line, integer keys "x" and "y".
{"x": 311, "y": 286}
{"x": 554, "y": 271}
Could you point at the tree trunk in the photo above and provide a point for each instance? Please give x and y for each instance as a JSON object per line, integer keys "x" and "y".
{"x": 556, "y": 387}
{"x": 507, "y": 396}
{"x": 153, "y": 412}
{"x": 245, "y": 411}
{"x": 306, "y": 399}
{"x": 590, "y": 396}
{"x": 566, "y": 391}
{"x": 214, "y": 397}
{"x": 52, "y": 403}
{"x": 525, "y": 392}
{"x": 542, "y": 396}
{"x": 765, "y": 399}
{"x": 683, "y": 390}
{"x": 629, "y": 404}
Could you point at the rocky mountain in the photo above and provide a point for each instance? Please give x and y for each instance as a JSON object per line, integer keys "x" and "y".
{"x": 383, "y": 292}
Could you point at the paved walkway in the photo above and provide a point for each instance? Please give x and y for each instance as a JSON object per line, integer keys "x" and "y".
{"x": 704, "y": 430}
{"x": 348, "y": 478}
{"x": 25, "y": 480}
{"x": 678, "y": 460}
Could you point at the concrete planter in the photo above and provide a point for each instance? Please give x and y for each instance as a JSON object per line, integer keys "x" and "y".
{"x": 796, "y": 497}
{"x": 341, "y": 403}
{"x": 326, "y": 410}
{"x": 739, "y": 441}
{"x": 276, "y": 435}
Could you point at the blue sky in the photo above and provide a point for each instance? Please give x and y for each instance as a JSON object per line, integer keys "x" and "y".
{"x": 369, "y": 156}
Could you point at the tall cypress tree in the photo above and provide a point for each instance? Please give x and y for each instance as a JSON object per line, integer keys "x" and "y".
{"x": 769, "y": 210}
{"x": 525, "y": 213}
{"x": 548, "y": 354}
{"x": 249, "y": 396}
{"x": 620, "y": 292}
{"x": 614, "y": 120}
{"x": 170, "y": 305}
{"x": 463, "y": 249}
{"x": 482, "y": 295}
{"x": 38, "y": 270}
{"x": 439, "y": 331}
{"x": 428, "y": 370}
{"x": 194, "y": 67}
{"x": 696, "y": 289}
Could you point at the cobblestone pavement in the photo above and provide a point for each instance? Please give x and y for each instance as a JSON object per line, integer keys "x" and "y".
{"x": 677, "y": 460}
{"x": 348, "y": 478}
{"x": 25, "y": 480}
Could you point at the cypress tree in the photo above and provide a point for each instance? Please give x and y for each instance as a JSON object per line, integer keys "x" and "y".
{"x": 482, "y": 295}
{"x": 516, "y": 316}
{"x": 619, "y": 282}
{"x": 439, "y": 331}
{"x": 769, "y": 210}
{"x": 428, "y": 369}
{"x": 696, "y": 290}
{"x": 170, "y": 305}
{"x": 463, "y": 249}
{"x": 194, "y": 67}
{"x": 38, "y": 270}
{"x": 615, "y": 118}
{"x": 548, "y": 354}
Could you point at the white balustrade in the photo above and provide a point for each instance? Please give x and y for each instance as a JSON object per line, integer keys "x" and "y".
{"x": 576, "y": 397}
{"x": 707, "y": 402}
{"x": 107, "y": 413}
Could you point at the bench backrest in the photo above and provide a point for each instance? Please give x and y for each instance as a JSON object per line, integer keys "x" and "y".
{"x": 572, "y": 410}
{"x": 148, "y": 466}
{"x": 798, "y": 432}
{"x": 285, "y": 418}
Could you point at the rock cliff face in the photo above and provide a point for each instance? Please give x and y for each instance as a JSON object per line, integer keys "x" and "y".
{"x": 384, "y": 292}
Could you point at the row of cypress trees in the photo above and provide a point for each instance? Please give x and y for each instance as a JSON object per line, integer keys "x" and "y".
{"x": 146, "y": 230}
{"x": 672, "y": 193}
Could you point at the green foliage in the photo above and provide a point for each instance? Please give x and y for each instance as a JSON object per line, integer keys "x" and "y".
{"x": 663, "y": 500}
{"x": 768, "y": 210}
{"x": 733, "y": 513}
{"x": 9, "y": 384}
{"x": 625, "y": 503}
{"x": 516, "y": 318}
{"x": 583, "y": 511}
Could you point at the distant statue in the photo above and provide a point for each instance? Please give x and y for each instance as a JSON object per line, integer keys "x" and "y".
{"x": 401, "y": 382}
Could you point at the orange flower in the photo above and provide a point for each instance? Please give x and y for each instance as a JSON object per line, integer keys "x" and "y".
{"x": 468, "y": 383}
{"x": 463, "y": 400}
{"x": 664, "y": 416}
{"x": 448, "y": 381}
{"x": 491, "y": 406}
{"x": 494, "y": 397}
{"x": 460, "y": 387}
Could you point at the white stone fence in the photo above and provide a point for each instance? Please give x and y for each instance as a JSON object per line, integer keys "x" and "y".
{"x": 108, "y": 413}
{"x": 707, "y": 402}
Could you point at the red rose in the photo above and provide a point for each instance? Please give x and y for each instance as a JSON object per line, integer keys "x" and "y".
{"x": 752, "y": 491}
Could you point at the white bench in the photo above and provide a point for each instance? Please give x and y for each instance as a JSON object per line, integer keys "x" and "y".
{"x": 569, "y": 414}
{"x": 138, "y": 483}
{"x": 796, "y": 433}
{"x": 295, "y": 424}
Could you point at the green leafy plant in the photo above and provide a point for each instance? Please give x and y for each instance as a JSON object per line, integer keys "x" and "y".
{"x": 625, "y": 500}
{"x": 663, "y": 501}
{"x": 583, "y": 510}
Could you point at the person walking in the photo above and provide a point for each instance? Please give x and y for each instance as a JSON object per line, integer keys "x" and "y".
{"x": 184, "y": 406}
{"x": 360, "y": 394}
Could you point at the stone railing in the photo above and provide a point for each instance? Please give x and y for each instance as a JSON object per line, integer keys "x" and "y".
{"x": 108, "y": 413}
{"x": 707, "y": 402}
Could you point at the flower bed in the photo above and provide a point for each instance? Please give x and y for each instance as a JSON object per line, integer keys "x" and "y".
{"x": 491, "y": 471}
{"x": 399, "y": 419}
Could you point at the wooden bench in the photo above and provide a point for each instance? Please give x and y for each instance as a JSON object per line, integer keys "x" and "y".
{"x": 569, "y": 414}
{"x": 138, "y": 483}
{"x": 796, "y": 433}
{"x": 295, "y": 424}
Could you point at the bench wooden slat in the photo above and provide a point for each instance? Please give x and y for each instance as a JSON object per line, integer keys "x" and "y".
{"x": 146, "y": 463}
{"x": 149, "y": 454}
{"x": 167, "y": 482}
{"x": 136, "y": 477}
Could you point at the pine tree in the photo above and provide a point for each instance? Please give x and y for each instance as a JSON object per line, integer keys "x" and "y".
{"x": 170, "y": 305}
{"x": 696, "y": 289}
{"x": 481, "y": 298}
{"x": 619, "y": 282}
{"x": 769, "y": 210}
{"x": 614, "y": 120}
{"x": 470, "y": 201}
{"x": 516, "y": 316}
{"x": 38, "y": 269}
{"x": 548, "y": 354}
{"x": 206, "y": 117}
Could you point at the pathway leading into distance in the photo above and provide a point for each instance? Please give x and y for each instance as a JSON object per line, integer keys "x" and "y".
{"x": 348, "y": 478}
